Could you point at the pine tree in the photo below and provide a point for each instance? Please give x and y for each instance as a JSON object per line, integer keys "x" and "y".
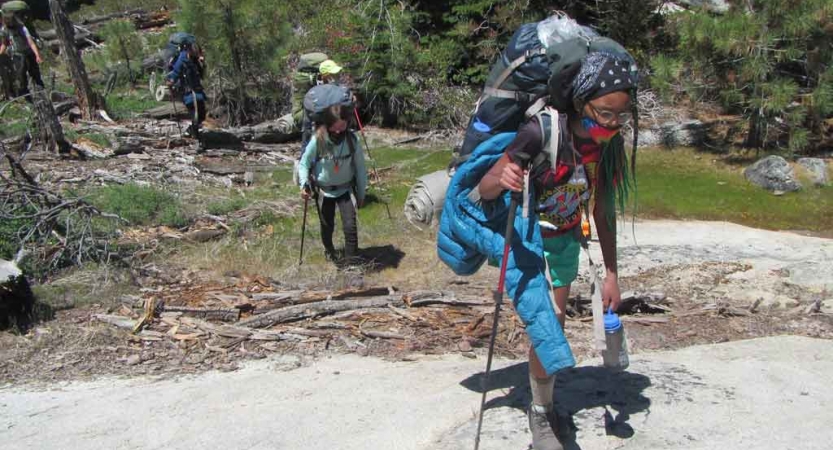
{"x": 122, "y": 41}
{"x": 245, "y": 44}
{"x": 769, "y": 61}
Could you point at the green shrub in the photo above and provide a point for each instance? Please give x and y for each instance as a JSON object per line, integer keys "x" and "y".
{"x": 140, "y": 205}
{"x": 773, "y": 66}
{"x": 226, "y": 206}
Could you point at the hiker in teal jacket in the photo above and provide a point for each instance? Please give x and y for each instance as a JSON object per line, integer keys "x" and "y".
{"x": 333, "y": 164}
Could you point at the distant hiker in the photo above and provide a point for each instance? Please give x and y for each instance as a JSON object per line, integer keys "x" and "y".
{"x": 329, "y": 71}
{"x": 18, "y": 43}
{"x": 185, "y": 79}
{"x": 572, "y": 97}
{"x": 333, "y": 164}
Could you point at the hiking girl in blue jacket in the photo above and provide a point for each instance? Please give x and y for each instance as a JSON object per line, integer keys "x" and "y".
{"x": 186, "y": 78}
{"x": 333, "y": 164}
{"x": 591, "y": 176}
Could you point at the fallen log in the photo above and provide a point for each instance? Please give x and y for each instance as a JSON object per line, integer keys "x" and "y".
{"x": 426, "y": 298}
{"x": 281, "y": 300}
{"x": 238, "y": 332}
{"x": 169, "y": 110}
{"x": 118, "y": 321}
{"x": 382, "y": 335}
{"x": 313, "y": 310}
{"x": 221, "y": 314}
{"x": 272, "y": 132}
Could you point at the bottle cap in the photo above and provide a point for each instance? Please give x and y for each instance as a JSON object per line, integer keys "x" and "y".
{"x": 480, "y": 126}
{"x": 612, "y": 322}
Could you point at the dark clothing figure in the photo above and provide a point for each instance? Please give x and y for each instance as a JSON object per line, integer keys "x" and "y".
{"x": 348, "y": 225}
{"x": 186, "y": 80}
{"x": 24, "y": 58}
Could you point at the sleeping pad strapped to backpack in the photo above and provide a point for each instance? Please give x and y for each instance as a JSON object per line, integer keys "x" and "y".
{"x": 535, "y": 69}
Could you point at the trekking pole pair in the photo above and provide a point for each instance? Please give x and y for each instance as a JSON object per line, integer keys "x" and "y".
{"x": 374, "y": 170}
{"x": 517, "y": 198}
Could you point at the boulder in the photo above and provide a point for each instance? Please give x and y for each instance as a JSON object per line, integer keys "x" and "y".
{"x": 715, "y": 6}
{"x": 772, "y": 173}
{"x": 817, "y": 169}
{"x": 691, "y": 133}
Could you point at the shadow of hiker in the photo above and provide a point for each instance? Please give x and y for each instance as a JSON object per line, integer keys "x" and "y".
{"x": 379, "y": 258}
{"x": 577, "y": 390}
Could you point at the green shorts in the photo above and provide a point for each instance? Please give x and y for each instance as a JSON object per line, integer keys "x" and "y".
{"x": 562, "y": 254}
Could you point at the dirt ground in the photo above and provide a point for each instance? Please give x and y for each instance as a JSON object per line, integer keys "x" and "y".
{"x": 701, "y": 292}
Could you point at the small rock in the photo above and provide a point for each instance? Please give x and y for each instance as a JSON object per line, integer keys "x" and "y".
{"x": 132, "y": 360}
{"x": 464, "y": 346}
{"x": 285, "y": 363}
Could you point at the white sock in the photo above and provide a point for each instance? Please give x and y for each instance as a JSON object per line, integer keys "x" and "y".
{"x": 542, "y": 391}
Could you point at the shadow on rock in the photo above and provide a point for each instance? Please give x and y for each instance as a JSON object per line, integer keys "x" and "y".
{"x": 577, "y": 391}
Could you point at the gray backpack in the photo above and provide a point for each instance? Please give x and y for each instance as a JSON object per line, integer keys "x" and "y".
{"x": 322, "y": 97}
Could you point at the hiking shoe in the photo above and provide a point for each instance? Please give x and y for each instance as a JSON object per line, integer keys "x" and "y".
{"x": 541, "y": 425}
{"x": 331, "y": 255}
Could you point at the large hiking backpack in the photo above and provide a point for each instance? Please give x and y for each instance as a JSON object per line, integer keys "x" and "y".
{"x": 320, "y": 98}
{"x": 305, "y": 76}
{"x": 535, "y": 69}
{"x": 176, "y": 43}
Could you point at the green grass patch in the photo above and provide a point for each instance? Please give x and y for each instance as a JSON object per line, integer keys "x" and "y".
{"x": 225, "y": 206}
{"x": 140, "y": 205}
{"x": 684, "y": 184}
{"x": 125, "y": 105}
{"x": 15, "y": 119}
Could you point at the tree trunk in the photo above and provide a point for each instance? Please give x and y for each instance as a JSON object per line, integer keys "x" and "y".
{"x": 51, "y": 131}
{"x": 88, "y": 100}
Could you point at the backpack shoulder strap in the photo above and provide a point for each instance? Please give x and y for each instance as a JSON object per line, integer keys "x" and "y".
{"x": 550, "y": 136}
{"x": 352, "y": 145}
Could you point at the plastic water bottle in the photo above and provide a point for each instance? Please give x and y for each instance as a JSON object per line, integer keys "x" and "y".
{"x": 616, "y": 355}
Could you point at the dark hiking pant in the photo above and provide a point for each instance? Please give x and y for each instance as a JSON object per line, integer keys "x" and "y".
{"x": 7, "y": 77}
{"x": 348, "y": 224}
{"x": 25, "y": 67}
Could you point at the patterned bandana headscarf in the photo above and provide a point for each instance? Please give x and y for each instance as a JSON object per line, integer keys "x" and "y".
{"x": 602, "y": 73}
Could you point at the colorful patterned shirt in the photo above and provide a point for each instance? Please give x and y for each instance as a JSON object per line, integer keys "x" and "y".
{"x": 563, "y": 192}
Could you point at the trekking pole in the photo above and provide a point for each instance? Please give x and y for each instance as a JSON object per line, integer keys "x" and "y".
{"x": 303, "y": 231}
{"x": 176, "y": 114}
{"x": 375, "y": 172}
{"x": 364, "y": 139}
{"x": 498, "y": 295}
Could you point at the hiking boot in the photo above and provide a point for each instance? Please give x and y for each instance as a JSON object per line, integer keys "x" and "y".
{"x": 541, "y": 425}
{"x": 331, "y": 255}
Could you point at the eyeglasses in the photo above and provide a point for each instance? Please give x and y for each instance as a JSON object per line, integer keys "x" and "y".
{"x": 608, "y": 116}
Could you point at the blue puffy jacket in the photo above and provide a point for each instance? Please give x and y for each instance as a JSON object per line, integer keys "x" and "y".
{"x": 472, "y": 232}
